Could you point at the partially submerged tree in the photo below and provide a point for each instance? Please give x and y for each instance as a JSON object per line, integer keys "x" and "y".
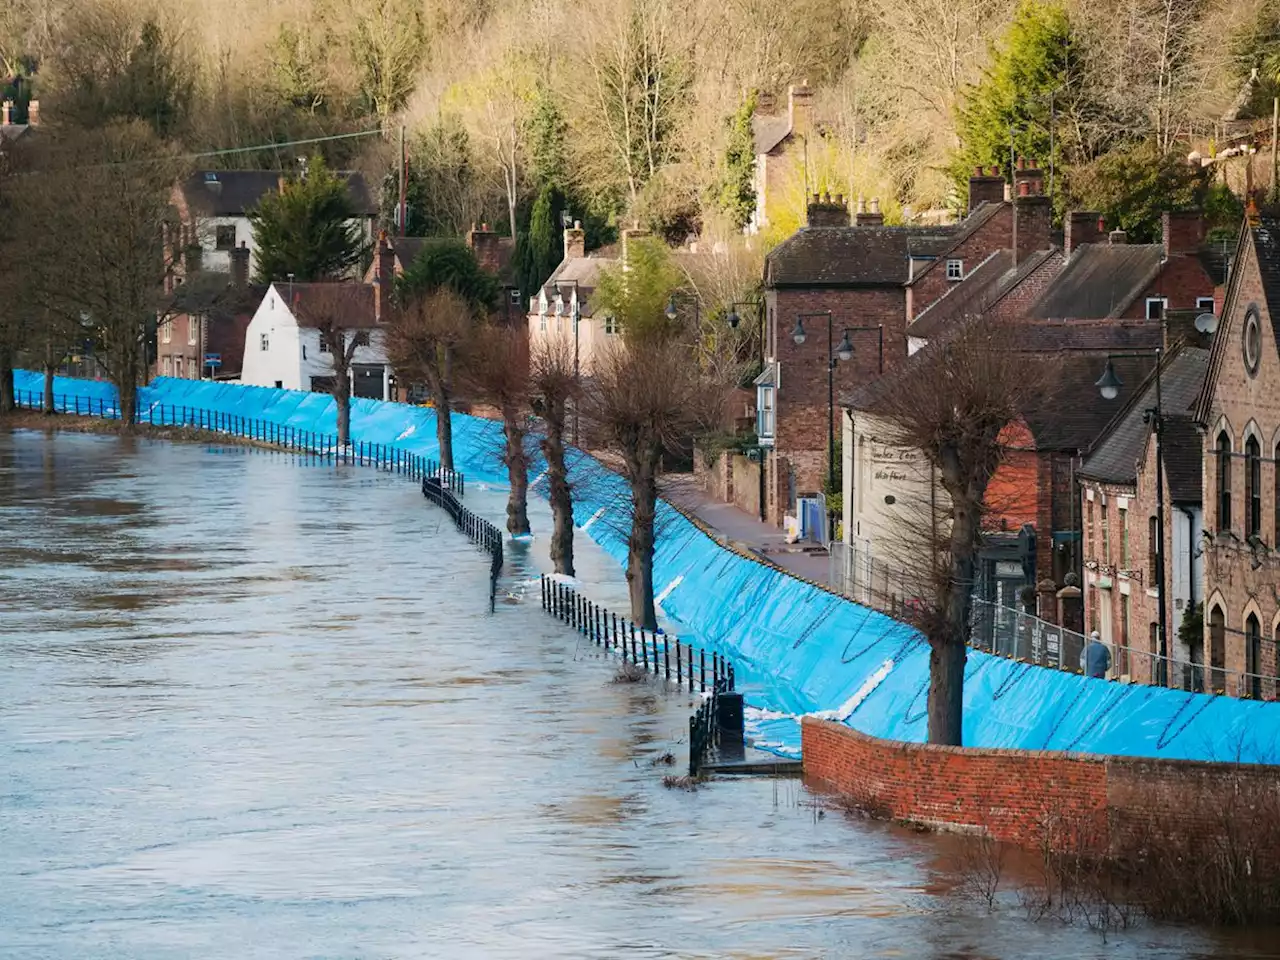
{"x": 423, "y": 341}
{"x": 337, "y": 312}
{"x": 307, "y": 230}
{"x": 644, "y": 399}
{"x": 554, "y": 385}
{"x": 955, "y": 402}
{"x": 497, "y": 371}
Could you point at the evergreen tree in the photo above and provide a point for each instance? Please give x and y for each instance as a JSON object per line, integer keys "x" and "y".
{"x": 451, "y": 265}
{"x": 540, "y": 247}
{"x": 307, "y": 229}
{"x": 1132, "y": 186}
{"x": 737, "y": 188}
{"x": 1036, "y": 66}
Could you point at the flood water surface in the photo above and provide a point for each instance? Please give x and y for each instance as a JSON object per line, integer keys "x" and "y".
{"x": 255, "y": 707}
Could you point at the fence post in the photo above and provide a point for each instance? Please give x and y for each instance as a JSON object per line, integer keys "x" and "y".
{"x": 644, "y": 650}
{"x": 689, "y": 650}
{"x": 679, "y": 667}
{"x": 666, "y": 656}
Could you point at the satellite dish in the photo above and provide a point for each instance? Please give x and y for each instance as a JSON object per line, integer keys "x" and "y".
{"x": 1206, "y": 323}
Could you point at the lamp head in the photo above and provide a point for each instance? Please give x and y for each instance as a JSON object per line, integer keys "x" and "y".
{"x": 733, "y": 318}
{"x": 798, "y": 334}
{"x": 1109, "y": 384}
{"x": 672, "y": 313}
{"x": 845, "y": 350}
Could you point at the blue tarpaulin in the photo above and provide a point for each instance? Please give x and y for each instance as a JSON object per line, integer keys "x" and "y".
{"x": 797, "y": 648}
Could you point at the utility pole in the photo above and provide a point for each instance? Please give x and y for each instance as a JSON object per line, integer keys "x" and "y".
{"x": 1275, "y": 129}
{"x": 1053, "y": 127}
{"x": 402, "y": 206}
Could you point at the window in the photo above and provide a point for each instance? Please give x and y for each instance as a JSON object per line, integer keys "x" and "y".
{"x": 1156, "y": 306}
{"x": 1106, "y": 536}
{"x": 225, "y": 237}
{"x": 515, "y": 297}
{"x": 1217, "y": 649}
{"x": 542, "y": 323}
{"x": 1252, "y": 488}
{"x": 166, "y": 331}
{"x": 1088, "y": 525}
{"x": 1124, "y": 539}
{"x": 1204, "y": 304}
{"x": 264, "y": 342}
{"x": 1153, "y": 546}
{"x": 1224, "y": 482}
{"x": 610, "y": 326}
{"x": 955, "y": 269}
{"x": 324, "y": 343}
{"x": 304, "y": 351}
{"x": 193, "y": 331}
{"x": 168, "y": 365}
{"x": 1251, "y": 338}
{"x": 177, "y": 366}
{"x": 1253, "y": 657}
{"x": 765, "y": 414}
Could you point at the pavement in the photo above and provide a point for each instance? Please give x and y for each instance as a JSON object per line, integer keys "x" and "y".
{"x": 736, "y": 528}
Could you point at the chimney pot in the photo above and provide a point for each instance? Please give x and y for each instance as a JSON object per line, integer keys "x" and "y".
{"x": 1022, "y": 163}
{"x": 1118, "y": 236}
{"x": 862, "y": 205}
{"x": 1024, "y": 189}
{"x": 575, "y": 242}
{"x": 875, "y": 204}
{"x": 33, "y": 113}
{"x": 6, "y": 113}
{"x": 978, "y": 172}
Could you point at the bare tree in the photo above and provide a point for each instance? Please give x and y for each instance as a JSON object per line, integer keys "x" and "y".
{"x": 335, "y": 311}
{"x": 496, "y": 368}
{"x": 954, "y": 402}
{"x": 423, "y": 343}
{"x": 645, "y": 399}
{"x": 554, "y": 385}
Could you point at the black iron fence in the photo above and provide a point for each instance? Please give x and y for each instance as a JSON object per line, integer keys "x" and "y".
{"x": 652, "y": 651}
{"x": 478, "y": 529}
{"x": 707, "y": 723}
{"x": 321, "y": 446}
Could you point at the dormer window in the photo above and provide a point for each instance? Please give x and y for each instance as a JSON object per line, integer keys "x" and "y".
{"x": 610, "y": 326}
{"x": 1156, "y": 306}
{"x": 955, "y": 269}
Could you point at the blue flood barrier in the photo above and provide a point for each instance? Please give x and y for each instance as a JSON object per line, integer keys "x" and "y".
{"x": 797, "y": 649}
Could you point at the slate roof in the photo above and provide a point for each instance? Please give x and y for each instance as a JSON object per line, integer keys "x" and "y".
{"x": 585, "y": 270}
{"x": 852, "y": 256}
{"x": 769, "y": 131}
{"x": 1183, "y": 460}
{"x": 1266, "y": 241}
{"x": 1115, "y": 455}
{"x": 314, "y": 304}
{"x": 1091, "y": 336}
{"x": 970, "y": 295}
{"x": 967, "y": 227}
{"x": 1100, "y": 280}
{"x": 232, "y": 193}
{"x": 12, "y": 131}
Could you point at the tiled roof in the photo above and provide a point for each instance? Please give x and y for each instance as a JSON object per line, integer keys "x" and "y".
{"x": 852, "y": 256}
{"x": 966, "y": 228}
{"x": 1100, "y": 280}
{"x": 1266, "y": 241}
{"x": 1115, "y": 455}
{"x": 769, "y": 131}
{"x": 1090, "y": 336}
{"x": 232, "y": 193}
{"x": 970, "y": 295}
{"x": 12, "y": 131}
{"x": 316, "y": 304}
{"x": 584, "y": 270}
{"x": 1183, "y": 450}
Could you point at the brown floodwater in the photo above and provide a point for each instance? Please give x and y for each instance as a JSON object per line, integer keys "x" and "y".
{"x": 257, "y": 707}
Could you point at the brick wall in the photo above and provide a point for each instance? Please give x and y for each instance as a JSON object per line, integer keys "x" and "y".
{"x": 1012, "y": 793}
{"x": 802, "y": 400}
{"x": 714, "y": 477}
{"x": 1182, "y": 281}
{"x": 1016, "y": 302}
{"x": 995, "y": 234}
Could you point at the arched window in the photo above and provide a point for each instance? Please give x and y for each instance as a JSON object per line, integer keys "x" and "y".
{"x": 1253, "y": 657}
{"x": 1224, "y": 482}
{"x": 1217, "y": 649}
{"x": 1252, "y": 488}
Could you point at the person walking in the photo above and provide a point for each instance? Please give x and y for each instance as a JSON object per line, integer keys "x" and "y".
{"x": 1095, "y": 658}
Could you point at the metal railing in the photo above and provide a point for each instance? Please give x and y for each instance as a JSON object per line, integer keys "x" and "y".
{"x": 479, "y": 530}
{"x": 652, "y": 651}
{"x": 704, "y": 726}
{"x": 1017, "y": 635}
{"x": 322, "y": 446}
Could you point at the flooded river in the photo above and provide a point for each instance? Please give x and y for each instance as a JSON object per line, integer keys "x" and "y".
{"x": 254, "y": 707}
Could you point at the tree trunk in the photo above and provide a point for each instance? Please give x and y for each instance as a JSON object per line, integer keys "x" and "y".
{"x": 560, "y": 493}
{"x": 342, "y": 397}
{"x": 948, "y": 646}
{"x": 8, "y": 400}
{"x": 48, "y": 376}
{"x": 444, "y": 424}
{"x": 644, "y": 504}
{"x": 517, "y": 472}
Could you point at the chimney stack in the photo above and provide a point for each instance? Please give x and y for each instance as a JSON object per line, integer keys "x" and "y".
{"x": 800, "y": 109}
{"x": 240, "y": 266}
{"x": 872, "y": 218}
{"x": 1183, "y": 232}
{"x": 484, "y": 244}
{"x": 6, "y": 113}
{"x": 1118, "y": 237}
{"x": 575, "y": 241}
{"x": 1180, "y": 325}
{"x": 985, "y": 187}
{"x": 384, "y": 276}
{"x": 825, "y": 212}
{"x": 629, "y": 238}
{"x": 1081, "y": 227}
{"x": 1032, "y": 212}
{"x": 33, "y": 113}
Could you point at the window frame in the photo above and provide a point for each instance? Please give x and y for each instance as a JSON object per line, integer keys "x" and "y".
{"x": 1222, "y": 467}
{"x": 193, "y": 330}
{"x": 1164, "y": 307}
{"x": 264, "y": 343}
{"x": 610, "y": 326}
{"x": 955, "y": 268}
{"x": 766, "y": 413}
{"x": 166, "y": 332}
{"x": 219, "y": 233}
{"x": 1106, "y": 536}
{"x": 1253, "y": 655}
{"x": 1153, "y": 546}
{"x": 1206, "y": 305}
{"x": 1124, "y": 538}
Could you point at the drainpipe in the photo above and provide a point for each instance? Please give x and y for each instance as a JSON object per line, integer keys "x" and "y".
{"x": 1191, "y": 555}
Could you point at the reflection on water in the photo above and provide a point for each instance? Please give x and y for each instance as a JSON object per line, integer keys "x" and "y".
{"x": 251, "y": 707}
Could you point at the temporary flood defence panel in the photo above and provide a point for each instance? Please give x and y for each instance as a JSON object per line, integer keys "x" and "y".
{"x": 796, "y": 648}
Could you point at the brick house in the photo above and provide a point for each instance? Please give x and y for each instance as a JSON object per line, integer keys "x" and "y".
{"x": 1118, "y": 506}
{"x": 206, "y": 338}
{"x": 1238, "y": 414}
{"x": 779, "y": 140}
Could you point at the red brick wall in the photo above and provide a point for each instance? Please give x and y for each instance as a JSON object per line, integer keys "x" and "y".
{"x": 802, "y": 403}
{"x": 995, "y": 234}
{"x": 1015, "y": 304}
{"x": 1012, "y": 793}
{"x": 1181, "y": 282}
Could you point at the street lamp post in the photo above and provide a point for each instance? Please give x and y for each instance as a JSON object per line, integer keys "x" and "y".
{"x": 734, "y": 319}
{"x": 1109, "y": 385}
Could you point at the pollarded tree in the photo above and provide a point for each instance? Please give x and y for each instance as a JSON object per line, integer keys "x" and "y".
{"x": 554, "y": 386}
{"x": 307, "y": 230}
